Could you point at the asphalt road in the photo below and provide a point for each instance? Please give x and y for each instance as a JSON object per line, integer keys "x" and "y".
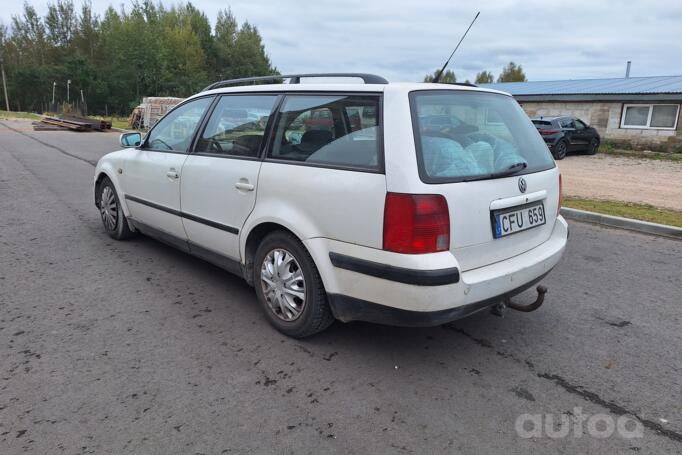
{"x": 132, "y": 347}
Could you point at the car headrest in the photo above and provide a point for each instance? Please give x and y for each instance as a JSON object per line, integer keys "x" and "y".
{"x": 316, "y": 137}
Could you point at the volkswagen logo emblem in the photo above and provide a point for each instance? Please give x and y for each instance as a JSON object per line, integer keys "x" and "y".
{"x": 522, "y": 185}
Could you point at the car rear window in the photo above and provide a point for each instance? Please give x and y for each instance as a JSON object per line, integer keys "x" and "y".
{"x": 542, "y": 124}
{"x": 466, "y": 135}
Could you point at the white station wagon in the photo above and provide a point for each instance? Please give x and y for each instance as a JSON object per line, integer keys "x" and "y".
{"x": 404, "y": 204}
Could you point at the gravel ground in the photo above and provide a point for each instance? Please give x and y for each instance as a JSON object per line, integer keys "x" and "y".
{"x": 134, "y": 348}
{"x": 645, "y": 181}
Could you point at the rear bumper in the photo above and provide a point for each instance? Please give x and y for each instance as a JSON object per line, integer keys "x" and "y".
{"x": 407, "y": 295}
{"x": 347, "y": 308}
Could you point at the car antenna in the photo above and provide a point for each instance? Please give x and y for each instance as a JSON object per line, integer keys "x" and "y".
{"x": 440, "y": 73}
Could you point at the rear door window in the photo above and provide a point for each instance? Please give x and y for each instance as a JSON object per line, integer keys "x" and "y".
{"x": 333, "y": 130}
{"x": 456, "y": 142}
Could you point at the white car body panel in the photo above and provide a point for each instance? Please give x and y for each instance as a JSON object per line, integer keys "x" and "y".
{"x": 145, "y": 176}
{"x": 321, "y": 202}
{"x": 209, "y": 192}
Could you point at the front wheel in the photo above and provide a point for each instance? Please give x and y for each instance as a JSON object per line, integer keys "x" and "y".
{"x": 289, "y": 287}
{"x": 594, "y": 146}
{"x": 113, "y": 218}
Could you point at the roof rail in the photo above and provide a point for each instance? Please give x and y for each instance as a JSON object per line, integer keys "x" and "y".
{"x": 296, "y": 79}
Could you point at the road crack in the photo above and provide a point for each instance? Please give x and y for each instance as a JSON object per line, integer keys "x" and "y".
{"x": 585, "y": 394}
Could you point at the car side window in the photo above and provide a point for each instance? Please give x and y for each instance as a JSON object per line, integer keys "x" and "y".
{"x": 237, "y": 126}
{"x": 335, "y": 130}
{"x": 579, "y": 125}
{"x": 566, "y": 123}
{"x": 174, "y": 132}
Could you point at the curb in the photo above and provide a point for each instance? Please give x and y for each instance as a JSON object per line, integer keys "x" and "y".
{"x": 623, "y": 223}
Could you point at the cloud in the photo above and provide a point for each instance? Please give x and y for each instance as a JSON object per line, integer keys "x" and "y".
{"x": 405, "y": 40}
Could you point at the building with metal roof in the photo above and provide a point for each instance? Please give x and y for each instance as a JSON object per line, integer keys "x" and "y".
{"x": 639, "y": 112}
{"x": 668, "y": 87}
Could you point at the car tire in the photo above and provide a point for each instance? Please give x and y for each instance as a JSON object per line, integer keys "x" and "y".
{"x": 289, "y": 286}
{"x": 113, "y": 219}
{"x": 560, "y": 150}
{"x": 594, "y": 146}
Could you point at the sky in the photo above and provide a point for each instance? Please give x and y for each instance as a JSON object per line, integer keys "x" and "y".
{"x": 403, "y": 41}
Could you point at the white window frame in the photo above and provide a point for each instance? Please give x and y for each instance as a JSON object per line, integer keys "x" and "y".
{"x": 648, "y": 120}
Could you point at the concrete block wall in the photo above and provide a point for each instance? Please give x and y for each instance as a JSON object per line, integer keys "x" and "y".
{"x": 605, "y": 117}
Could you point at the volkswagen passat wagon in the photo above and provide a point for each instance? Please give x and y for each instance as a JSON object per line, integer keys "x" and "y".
{"x": 401, "y": 203}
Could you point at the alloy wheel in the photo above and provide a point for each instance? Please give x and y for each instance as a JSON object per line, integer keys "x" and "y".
{"x": 561, "y": 150}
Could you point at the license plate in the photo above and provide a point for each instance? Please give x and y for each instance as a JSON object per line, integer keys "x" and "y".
{"x": 517, "y": 219}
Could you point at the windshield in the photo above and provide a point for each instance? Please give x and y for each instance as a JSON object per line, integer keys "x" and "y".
{"x": 466, "y": 135}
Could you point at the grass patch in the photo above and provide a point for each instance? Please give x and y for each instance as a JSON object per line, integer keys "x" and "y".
{"x": 5, "y": 115}
{"x": 608, "y": 148}
{"x": 116, "y": 122}
{"x": 643, "y": 212}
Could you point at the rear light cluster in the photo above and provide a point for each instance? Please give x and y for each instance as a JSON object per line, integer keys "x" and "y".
{"x": 561, "y": 195}
{"x": 548, "y": 132}
{"x": 416, "y": 223}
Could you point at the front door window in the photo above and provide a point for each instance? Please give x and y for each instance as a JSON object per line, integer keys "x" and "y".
{"x": 173, "y": 133}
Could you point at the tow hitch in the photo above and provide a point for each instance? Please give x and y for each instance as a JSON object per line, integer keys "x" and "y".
{"x": 498, "y": 310}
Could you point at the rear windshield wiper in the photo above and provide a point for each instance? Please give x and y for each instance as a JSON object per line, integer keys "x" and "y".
{"x": 511, "y": 170}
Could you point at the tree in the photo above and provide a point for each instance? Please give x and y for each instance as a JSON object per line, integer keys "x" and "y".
{"x": 448, "y": 77}
{"x": 61, "y": 23}
{"x": 87, "y": 36}
{"x": 484, "y": 77}
{"x": 512, "y": 73}
{"x": 144, "y": 49}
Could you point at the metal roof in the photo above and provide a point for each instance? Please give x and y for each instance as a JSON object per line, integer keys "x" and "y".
{"x": 655, "y": 85}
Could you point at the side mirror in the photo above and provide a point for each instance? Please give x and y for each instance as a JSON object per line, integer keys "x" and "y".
{"x": 130, "y": 139}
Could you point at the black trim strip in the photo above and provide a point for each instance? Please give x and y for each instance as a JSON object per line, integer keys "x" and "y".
{"x": 163, "y": 208}
{"x": 389, "y": 272}
{"x": 218, "y": 259}
{"x": 213, "y": 224}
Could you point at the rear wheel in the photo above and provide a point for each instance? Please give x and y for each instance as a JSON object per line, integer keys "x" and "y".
{"x": 289, "y": 287}
{"x": 113, "y": 218}
{"x": 560, "y": 150}
{"x": 594, "y": 146}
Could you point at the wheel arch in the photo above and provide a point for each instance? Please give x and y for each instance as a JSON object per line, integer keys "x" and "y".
{"x": 101, "y": 174}
{"x": 254, "y": 238}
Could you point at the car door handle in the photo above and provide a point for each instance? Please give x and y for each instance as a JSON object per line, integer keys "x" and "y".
{"x": 244, "y": 186}
{"x": 172, "y": 174}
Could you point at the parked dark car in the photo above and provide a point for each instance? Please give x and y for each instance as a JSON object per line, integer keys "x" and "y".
{"x": 567, "y": 134}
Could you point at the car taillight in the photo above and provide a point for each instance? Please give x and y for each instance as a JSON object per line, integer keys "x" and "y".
{"x": 548, "y": 132}
{"x": 416, "y": 223}
{"x": 561, "y": 195}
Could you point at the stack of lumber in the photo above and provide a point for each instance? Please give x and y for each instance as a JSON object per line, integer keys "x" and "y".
{"x": 95, "y": 124}
{"x": 71, "y": 123}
